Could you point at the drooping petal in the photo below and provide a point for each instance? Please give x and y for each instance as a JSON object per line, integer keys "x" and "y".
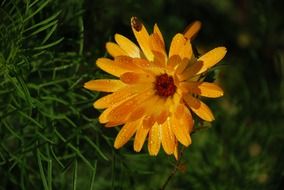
{"x": 142, "y": 36}
{"x": 141, "y": 134}
{"x": 205, "y": 89}
{"x": 211, "y": 58}
{"x": 104, "y": 85}
{"x": 199, "y": 108}
{"x": 168, "y": 138}
{"x": 177, "y": 44}
{"x": 128, "y": 46}
{"x": 192, "y": 29}
{"x": 126, "y": 132}
{"x": 114, "y": 50}
{"x": 154, "y": 139}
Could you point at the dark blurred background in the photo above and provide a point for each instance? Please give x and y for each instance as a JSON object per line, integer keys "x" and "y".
{"x": 50, "y": 136}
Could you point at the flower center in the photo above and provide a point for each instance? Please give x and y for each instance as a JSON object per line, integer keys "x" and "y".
{"x": 165, "y": 85}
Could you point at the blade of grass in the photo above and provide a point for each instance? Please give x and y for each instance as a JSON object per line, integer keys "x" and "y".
{"x": 49, "y": 19}
{"x": 41, "y": 170}
{"x": 48, "y": 45}
{"x": 55, "y": 157}
{"x": 77, "y": 151}
{"x": 49, "y": 34}
{"x": 51, "y": 24}
{"x": 96, "y": 148}
{"x": 49, "y": 173}
{"x": 36, "y": 11}
{"x": 81, "y": 44}
{"x": 93, "y": 176}
{"x": 75, "y": 174}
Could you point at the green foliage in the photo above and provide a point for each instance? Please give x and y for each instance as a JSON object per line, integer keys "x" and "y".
{"x": 50, "y": 135}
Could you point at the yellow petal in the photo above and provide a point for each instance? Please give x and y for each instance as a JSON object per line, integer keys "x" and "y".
{"x": 157, "y": 30}
{"x": 159, "y": 59}
{"x": 159, "y": 112}
{"x": 104, "y": 85}
{"x": 119, "y": 96}
{"x": 182, "y": 65}
{"x": 149, "y": 66}
{"x": 173, "y": 62}
{"x": 192, "y": 29}
{"x": 108, "y": 66}
{"x": 154, "y": 140}
{"x": 186, "y": 51}
{"x": 181, "y": 131}
{"x": 199, "y": 108}
{"x": 168, "y": 138}
{"x": 134, "y": 78}
{"x": 211, "y": 58}
{"x": 205, "y": 89}
{"x": 176, "y": 152}
{"x": 138, "y": 113}
{"x": 162, "y": 116}
{"x": 113, "y": 124}
{"x": 125, "y": 134}
{"x": 128, "y": 64}
{"x": 141, "y": 134}
{"x": 177, "y": 44}
{"x": 185, "y": 55}
{"x": 142, "y": 63}
{"x": 120, "y": 65}
{"x": 127, "y": 45}
{"x": 142, "y": 36}
{"x": 114, "y": 50}
{"x": 162, "y": 110}
{"x": 149, "y": 121}
{"x": 122, "y": 111}
{"x": 156, "y": 44}
{"x": 187, "y": 121}
{"x": 143, "y": 109}
{"x": 103, "y": 118}
{"x": 191, "y": 71}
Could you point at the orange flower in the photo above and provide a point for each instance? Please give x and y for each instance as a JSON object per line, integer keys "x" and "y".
{"x": 155, "y": 91}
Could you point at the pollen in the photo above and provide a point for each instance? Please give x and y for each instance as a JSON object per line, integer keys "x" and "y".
{"x": 164, "y": 85}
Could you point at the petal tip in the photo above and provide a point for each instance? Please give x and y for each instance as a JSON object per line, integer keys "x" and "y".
{"x": 136, "y": 24}
{"x": 87, "y": 85}
{"x": 223, "y": 49}
{"x": 116, "y": 145}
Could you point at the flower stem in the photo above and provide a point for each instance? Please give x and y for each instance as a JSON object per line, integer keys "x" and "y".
{"x": 176, "y": 167}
